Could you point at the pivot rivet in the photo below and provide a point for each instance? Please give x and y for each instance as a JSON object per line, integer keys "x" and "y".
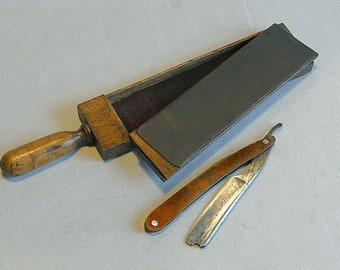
{"x": 154, "y": 223}
{"x": 265, "y": 141}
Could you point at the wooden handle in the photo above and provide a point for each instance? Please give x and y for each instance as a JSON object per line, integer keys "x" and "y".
{"x": 165, "y": 213}
{"x": 33, "y": 155}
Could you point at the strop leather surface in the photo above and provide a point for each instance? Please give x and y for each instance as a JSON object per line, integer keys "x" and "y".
{"x": 181, "y": 130}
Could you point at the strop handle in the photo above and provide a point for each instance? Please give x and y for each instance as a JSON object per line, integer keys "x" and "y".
{"x": 33, "y": 155}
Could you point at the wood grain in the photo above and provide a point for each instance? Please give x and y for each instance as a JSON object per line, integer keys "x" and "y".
{"x": 163, "y": 168}
{"x": 111, "y": 137}
{"x": 110, "y": 118}
{"x": 38, "y": 153}
{"x": 164, "y": 214}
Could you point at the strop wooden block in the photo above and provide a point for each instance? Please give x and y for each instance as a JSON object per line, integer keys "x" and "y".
{"x": 172, "y": 116}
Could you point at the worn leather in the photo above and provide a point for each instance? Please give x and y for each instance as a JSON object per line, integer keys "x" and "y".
{"x": 215, "y": 103}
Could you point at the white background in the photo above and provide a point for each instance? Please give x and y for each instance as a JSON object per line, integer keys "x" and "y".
{"x": 83, "y": 213}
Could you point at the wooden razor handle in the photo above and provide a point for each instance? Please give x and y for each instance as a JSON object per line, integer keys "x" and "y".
{"x": 171, "y": 208}
{"x": 33, "y": 155}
